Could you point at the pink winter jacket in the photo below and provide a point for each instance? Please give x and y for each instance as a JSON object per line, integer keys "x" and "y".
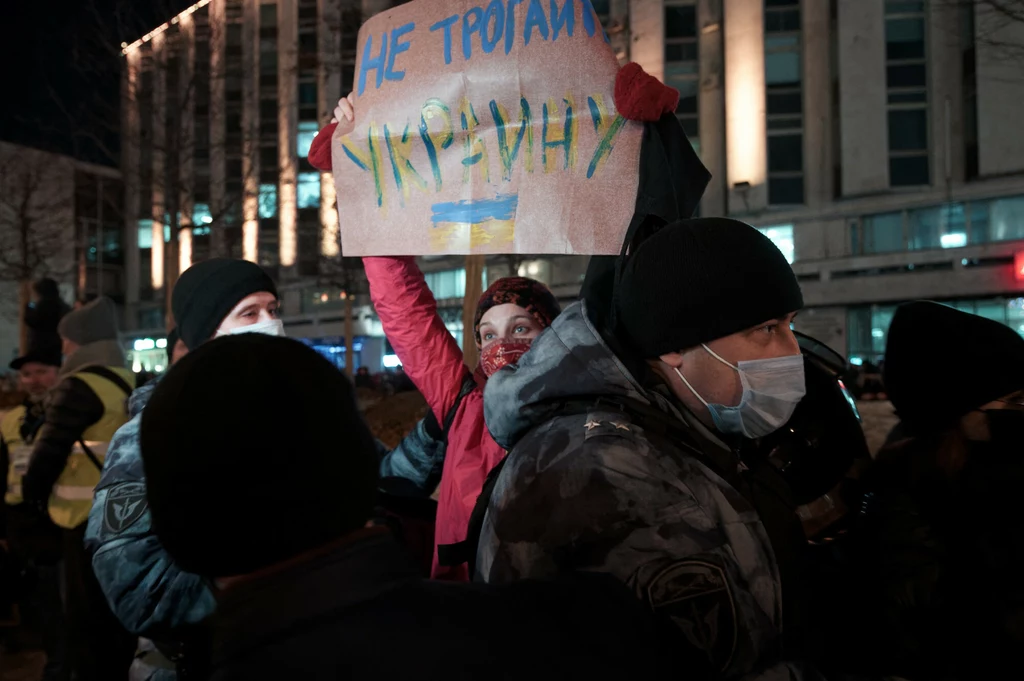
{"x": 433, "y": 360}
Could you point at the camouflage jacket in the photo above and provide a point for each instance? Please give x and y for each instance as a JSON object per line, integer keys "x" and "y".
{"x": 145, "y": 589}
{"x": 592, "y": 490}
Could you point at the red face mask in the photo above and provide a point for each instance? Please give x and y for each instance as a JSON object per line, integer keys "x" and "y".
{"x": 501, "y": 354}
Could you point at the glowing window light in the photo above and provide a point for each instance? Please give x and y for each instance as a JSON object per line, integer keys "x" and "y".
{"x": 391, "y": 361}
{"x": 953, "y": 240}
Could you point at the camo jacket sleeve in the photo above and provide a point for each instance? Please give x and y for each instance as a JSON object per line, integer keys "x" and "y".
{"x": 145, "y": 589}
{"x": 419, "y": 457}
{"x": 593, "y": 494}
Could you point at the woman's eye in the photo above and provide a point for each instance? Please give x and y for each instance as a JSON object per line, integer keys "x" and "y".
{"x": 520, "y": 329}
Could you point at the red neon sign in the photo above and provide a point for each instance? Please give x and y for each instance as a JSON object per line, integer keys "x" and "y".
{"x": 1018, "y": 265}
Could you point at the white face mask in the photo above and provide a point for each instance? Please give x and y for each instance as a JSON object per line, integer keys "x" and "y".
{"x": 772, "y": 388}
{"x": 273, "y": 327}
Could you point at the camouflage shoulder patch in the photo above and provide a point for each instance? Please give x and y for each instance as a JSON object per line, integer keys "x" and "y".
{"x": 696, "y": 596}
{"x": 124, "y": 505}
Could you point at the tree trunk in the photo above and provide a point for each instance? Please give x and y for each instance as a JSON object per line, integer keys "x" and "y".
{"x": 350, "y": 342}
{"x": 474, "y": 284}
{"x": 24, "y": 294}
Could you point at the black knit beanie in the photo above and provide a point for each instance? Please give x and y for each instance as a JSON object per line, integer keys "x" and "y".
{"x": 694, "y": 281}
{"x": 206, "y": 292}
{"x": 941, "y": 363}
{"x": 254, "y": 452}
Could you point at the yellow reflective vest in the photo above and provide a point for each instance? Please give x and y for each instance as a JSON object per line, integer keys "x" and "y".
{"x": 18, "y": 452}
{"x": 71, "y": 498}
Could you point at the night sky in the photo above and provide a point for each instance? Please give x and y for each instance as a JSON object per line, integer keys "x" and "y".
{"x": 60, "y": 76}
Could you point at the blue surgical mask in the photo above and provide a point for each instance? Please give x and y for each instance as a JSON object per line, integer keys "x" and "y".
{"x": 771, "y": 390}
{"x": 271, "y": 327}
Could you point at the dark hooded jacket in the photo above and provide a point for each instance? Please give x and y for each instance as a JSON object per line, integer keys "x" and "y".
{"x": 594, "y": 490}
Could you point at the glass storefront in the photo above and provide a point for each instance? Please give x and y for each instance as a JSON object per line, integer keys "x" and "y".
{"x": 951, "y": 225}
{"x": 333, "y": 348}
{"x": 868, "y": 325}
{"x": 147, "y": 355}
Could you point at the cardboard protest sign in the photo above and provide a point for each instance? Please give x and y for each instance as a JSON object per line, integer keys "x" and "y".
{"x": 485, "y": 126}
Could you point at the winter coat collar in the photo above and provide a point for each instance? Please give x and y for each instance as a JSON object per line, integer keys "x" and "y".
{"x": 568, "y": 360}
{"x": 101, "y": 353}
{"x": 254, "y": 613}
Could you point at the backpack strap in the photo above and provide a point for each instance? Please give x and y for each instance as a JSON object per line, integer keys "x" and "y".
{"x": 104, "y": 372}
{"x": 92, "y": 457}
{"x": 468, "y": 385}
{"x": 452, "y": 555}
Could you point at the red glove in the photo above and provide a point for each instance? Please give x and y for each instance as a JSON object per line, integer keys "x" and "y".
{"x": 642, "y": 97}
{"x": 320, "y": 149}
{"x": 638, "y": 97}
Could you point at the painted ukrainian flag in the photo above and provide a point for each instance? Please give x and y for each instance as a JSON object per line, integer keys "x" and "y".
{"x": 476, "y": 225}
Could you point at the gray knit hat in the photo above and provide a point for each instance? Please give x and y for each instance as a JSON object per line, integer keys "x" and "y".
{"x": 90, "y": 323}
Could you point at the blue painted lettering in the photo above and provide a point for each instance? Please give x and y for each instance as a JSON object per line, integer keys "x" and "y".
{"x": 397, "y": 48}
{"x": 494, "y": 18}
{"x": 446, "y": 25}
{"x": 368, "y": 62}
{"x": 589, "y": 17}
{"x": 535, "y": 19}
{"x": 468, "y": 29}
{"x": 510, "y": 23}
{"x": 567, "y": 18}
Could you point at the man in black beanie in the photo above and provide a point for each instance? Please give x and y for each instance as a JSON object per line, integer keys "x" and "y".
{"x": 628, "y": 444}
{"x": 150, "y": 594}
{"x": 307, "y": 588}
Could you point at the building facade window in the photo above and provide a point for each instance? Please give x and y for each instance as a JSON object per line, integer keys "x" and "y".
{"x": 682, "y": 65}
{"x": 201, "y": 214}
{"x": 308, "y": 190}
{"x": 950, "y": 225}
{"x": 784, "y": 101}
{"x": 906, "y": 93}
{"x": 307, "y": 131}
{"x": 447, "y": 283}
{"x": 268, "y": 200}
{"x": 782, "y": 237}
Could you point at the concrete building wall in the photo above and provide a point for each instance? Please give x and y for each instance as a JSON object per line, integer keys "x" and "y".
{"x": 1000, "y": 76}
{"x": 817, "y": 83}
{"x": 862, "y": 101}
{"x": 746, "y": 146}
{"x": 647, "y": 36}
{"x": 712, "y": 104}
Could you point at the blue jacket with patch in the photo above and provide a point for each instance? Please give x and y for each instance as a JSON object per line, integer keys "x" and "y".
{"x": 145, "y": 589}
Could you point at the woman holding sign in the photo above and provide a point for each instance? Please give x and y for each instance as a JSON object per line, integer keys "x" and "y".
{"x": 510, "y": 314}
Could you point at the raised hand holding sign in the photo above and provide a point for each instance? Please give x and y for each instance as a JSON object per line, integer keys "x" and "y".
{"x": 485, "y": 127}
